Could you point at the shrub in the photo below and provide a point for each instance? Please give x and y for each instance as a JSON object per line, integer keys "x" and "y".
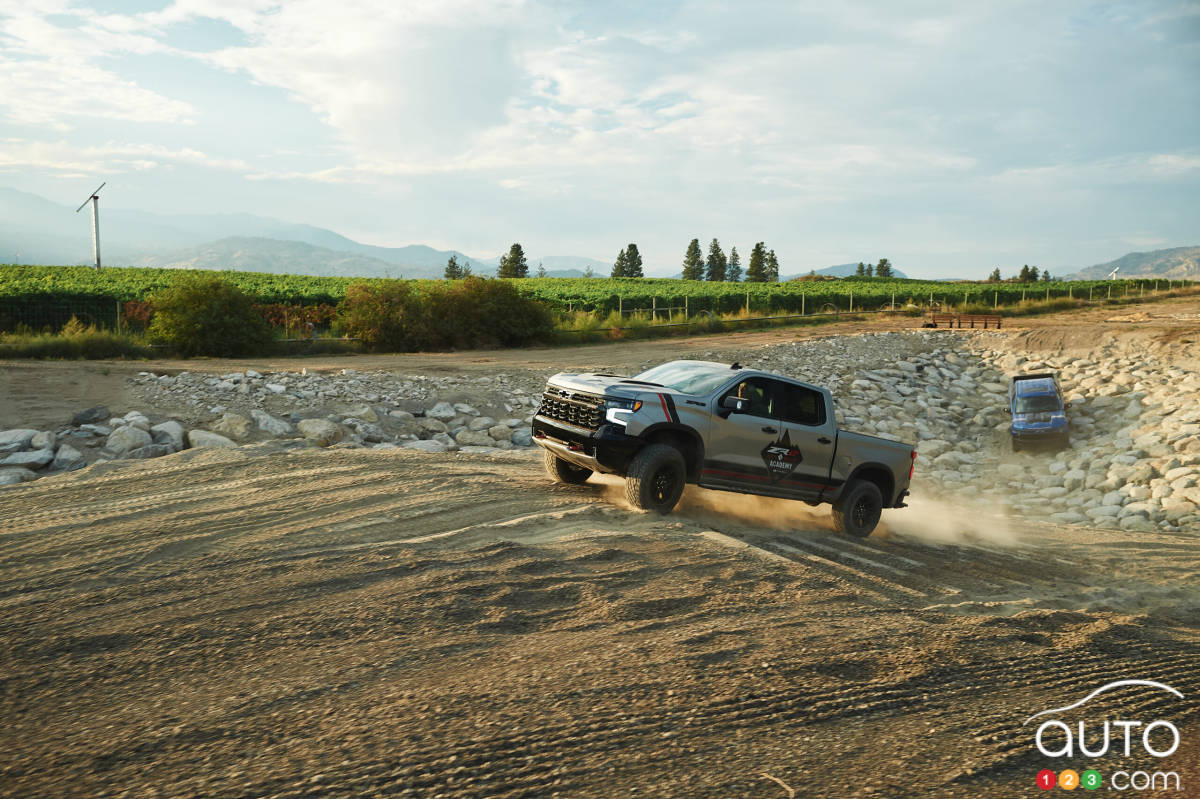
{"x": 208, "y": 316}
{"x": 383, "y": 316}
{"x": 75, "y": 342}
{"x": 476, "y": 312}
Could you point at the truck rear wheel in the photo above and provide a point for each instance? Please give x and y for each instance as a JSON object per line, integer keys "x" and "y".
{"x": 655, "y": 478}
{"x": 562, "y": 471}
{"x": 858, "y": 510}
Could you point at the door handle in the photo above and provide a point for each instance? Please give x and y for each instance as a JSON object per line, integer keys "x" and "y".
{"x": 770, "y": 430}
{"x": 824, "y": 440}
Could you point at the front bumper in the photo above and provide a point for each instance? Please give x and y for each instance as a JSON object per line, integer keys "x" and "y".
{"x": 607, "y": 449}
{"x": 1038, "y": 433}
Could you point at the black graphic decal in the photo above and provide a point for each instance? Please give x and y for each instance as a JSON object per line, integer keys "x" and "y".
{"x": 780, "y": 457}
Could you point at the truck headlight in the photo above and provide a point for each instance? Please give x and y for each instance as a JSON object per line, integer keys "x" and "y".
{"x": 617, "y": 407}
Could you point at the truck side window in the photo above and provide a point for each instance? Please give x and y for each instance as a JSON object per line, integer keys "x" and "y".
{"x": 801, "y": 405}
{"x": 759, "y": 392}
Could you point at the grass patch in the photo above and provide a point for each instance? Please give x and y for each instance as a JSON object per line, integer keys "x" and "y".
{"x": 75, "y": 342}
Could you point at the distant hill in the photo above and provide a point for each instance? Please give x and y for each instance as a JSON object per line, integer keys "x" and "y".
{"x": 1178, "y": 263}
{"x": 254, "y": 254}
{"x": 841, "y": 270}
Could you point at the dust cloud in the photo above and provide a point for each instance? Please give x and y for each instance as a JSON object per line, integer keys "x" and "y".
{"x": 938, "y": 521}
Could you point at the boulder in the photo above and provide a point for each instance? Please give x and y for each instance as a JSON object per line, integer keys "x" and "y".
{"x": 16, "y": 440}
{"x": 500, "y": 432}
{"x": 204, "y": 438}
{"x": 43, "y": 440}
{"x": 32, "y": 459}
{"x": 68, "y": 459}
{"x": 151, "y": 451}
{"x": 473, "y": 438}
{"x": 481, "y": 423}
{"x": 232, "y": 425}
{"x": 522, "y": 438}
{"x": 320, "y": 431}
{"x": 170, "y": 432}
{"x": 15, "y": 475}
{"x": 93, "y": 415}
{"x": 424, "y": 446}
{"x": 276, "y": 388}
{"x": 123, "y": 439}
{"x": 269, "y": 424}
{"x": 96, "y": 429}
{"x": 431, "y": 425}
{"x": 363, "y": 412}
{"x": 401, "y": 416}
{"x": 443, "y": 411}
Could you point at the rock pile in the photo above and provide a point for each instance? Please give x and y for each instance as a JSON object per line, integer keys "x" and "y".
{"x": 1134, "y": 457}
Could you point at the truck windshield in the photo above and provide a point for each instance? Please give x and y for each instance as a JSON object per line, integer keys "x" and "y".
{"x": 1047, "y": 403}
{"x": 686, "y": 378}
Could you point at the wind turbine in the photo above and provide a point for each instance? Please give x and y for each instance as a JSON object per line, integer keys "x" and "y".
{"x": 95, "y": 201}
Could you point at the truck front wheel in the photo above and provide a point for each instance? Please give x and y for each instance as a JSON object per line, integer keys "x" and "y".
{"x": 858, "y": 510}
{"x": 563, "y": 472}
{"x": 655, "y": 478}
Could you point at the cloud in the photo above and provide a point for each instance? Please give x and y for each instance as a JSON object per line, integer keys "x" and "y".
{"x": 63, "y": 157}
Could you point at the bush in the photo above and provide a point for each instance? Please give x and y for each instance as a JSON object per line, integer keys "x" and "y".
{"x": 207, "y": 316}
{"x": 76, "y": 341}
{"x": 476, "y": 312}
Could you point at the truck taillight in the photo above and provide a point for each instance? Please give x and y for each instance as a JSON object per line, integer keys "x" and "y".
{"x": 912, "y": 467}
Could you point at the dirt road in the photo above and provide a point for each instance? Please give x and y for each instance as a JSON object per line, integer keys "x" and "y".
{"x": 259, "y": 623}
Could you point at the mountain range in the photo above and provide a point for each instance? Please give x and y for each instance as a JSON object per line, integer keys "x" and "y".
{"x": 35, "y": 230}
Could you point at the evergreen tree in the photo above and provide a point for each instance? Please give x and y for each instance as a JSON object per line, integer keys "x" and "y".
{"x": 870, "y": 270}
{"x": 589, "y": 272}
{"x": 693, "y": 262}
{"x": 619, "y": 266}
{"x": 1046, "y": 276}
{"x": 756, "y": 271}
{"x": 453, "y": 270}
{"x": 772, "y": 267}
{"x": 541, "y": 272}
{"x": 884, "y": 268}
{"x": 716, "y": 263}
{"x": 513, "y": 264}
{"x": 861, "y": 271}
{"x": 633, "y": 262}
{"x": 1023, "y": 276}
{"x": 733, "y": 272}
{"x": 994, "y": 277}
{"x": 1033, "y": 274}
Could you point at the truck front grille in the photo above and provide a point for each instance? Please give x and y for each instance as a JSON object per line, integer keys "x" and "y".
{"x": 581, "y": 410}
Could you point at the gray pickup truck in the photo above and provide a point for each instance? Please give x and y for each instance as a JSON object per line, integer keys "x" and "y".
{"x": 722, "y": 427}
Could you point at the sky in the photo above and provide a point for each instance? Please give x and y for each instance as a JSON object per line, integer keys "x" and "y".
{"x": 949, "y": 137}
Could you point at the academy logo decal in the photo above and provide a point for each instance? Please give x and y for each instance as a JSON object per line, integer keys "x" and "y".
{"x": 781, "y": 457}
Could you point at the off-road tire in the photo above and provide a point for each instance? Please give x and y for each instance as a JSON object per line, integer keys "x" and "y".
{"x": 859, "y": 509}
{"x": 561, "y": 471}
{"x": 655, "y": 478}
{"x": 1016, "y": 445}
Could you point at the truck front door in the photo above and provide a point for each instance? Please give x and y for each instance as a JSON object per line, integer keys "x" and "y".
{"x": 748, "y": 450}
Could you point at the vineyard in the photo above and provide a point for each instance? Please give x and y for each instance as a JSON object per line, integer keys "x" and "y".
{"x": 47, "y": 296}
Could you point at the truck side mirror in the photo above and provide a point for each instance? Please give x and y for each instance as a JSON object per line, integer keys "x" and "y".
{"x": 736, "y": 404}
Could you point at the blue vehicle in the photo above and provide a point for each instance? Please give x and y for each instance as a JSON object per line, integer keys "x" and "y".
{"x": 1038, "y": 411}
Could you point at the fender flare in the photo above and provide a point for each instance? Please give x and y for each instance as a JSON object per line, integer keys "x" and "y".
{"x": 695, "y": 465}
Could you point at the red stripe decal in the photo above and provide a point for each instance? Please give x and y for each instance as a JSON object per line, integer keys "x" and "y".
{"x": 663, "y": 400}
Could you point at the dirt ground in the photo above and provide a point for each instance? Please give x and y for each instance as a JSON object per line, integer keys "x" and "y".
{"x": 260, "y": 622}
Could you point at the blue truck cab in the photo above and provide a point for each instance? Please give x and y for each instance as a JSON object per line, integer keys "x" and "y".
{"x": 1038, "y": 411}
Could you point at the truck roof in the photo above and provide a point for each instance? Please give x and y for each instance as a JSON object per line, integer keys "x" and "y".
{"x": 1035, "y": 385}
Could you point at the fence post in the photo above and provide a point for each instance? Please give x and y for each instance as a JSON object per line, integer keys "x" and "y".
{"x": 802, "y": 303}
{"x": 931, "y": 299}
{"x": 893, "y": 300}
{"x": 747, "y": 302}
{"x": 654, "y": 308}
{"x": 1070, "y": 292}
{"x": 685, "y": 308}
{"x": 852, "y": 302}
{"x": 995, "y": 300}
{"x": 118, "y": 316}
{"x": 620, "y": 305}
{"x": 1022, "y": 295}
{"x": 1047, "y": 294}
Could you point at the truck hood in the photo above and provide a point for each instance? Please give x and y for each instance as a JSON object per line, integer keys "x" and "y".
{"x": 601, "y": 384}
{"x": 1051, "y": 418}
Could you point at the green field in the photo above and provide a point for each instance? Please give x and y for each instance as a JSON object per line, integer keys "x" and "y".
{"x": 41, "y": 296}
